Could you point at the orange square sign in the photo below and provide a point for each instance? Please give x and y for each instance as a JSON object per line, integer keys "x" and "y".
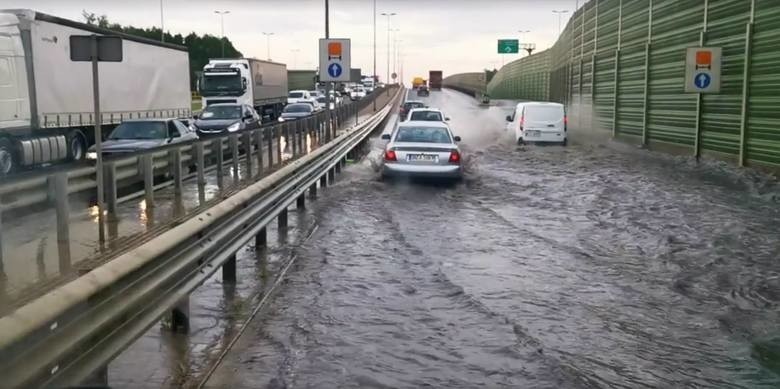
{"x": 704, "y": 58}
{"x": 334, "y": 49}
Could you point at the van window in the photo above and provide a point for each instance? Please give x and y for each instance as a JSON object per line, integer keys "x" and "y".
{"x": 544, "y": 113}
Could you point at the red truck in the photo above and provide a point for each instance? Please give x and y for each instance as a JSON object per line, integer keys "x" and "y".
{"x": 434, "y": 79}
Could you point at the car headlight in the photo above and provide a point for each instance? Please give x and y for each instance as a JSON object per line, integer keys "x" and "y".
{"x": 234, "y": 127}
{"x": 281, "y": 120}
{"x": 91, "y": 155}
{"x": 193, "y": 128}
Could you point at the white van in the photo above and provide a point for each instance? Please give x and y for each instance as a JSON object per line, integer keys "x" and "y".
{"x": 538, "y": 122}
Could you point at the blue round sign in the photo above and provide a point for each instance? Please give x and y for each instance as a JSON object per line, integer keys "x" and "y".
{"x": 334, "y": 70}
{"x": 702, "y": 80}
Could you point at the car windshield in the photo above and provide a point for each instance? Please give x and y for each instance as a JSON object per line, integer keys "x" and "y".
{"x": 423, "y": 135}
{"x": 321, "y": 99}
{"x": 542, "y": 113}
{"x": 140, "y": 130}
{"x": 428, "y": 116}
{"x": 295, "y": 95}
{"x": 297, "y": 108}
{"x": 221, "y": 83}
{"x": 221, "y": 112}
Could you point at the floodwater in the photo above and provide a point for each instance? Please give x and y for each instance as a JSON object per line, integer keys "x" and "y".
{"x": 595, "y": 265}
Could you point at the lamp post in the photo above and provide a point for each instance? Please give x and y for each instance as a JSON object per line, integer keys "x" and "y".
{"x": 389, "y": 15}
{"x": 268, "y": 44}
{"x": 222, "y": 28}
{"x": 560, "y": 13}
{"x": 162, "y": 26}
{"x": 395, "y": 50}
{"x": 374, "y": 50}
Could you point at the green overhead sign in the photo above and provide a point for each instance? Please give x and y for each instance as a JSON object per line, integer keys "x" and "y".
{"x": 508, "y": 46}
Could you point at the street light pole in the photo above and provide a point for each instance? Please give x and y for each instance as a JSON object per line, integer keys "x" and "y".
{"x": 162, "y": 26}
{"x": 222, "y": 24}
{"x": 560, "y": 13}
{"x": 395, "y": 50}
{"x": 374, "y": 50}
{"x": 389, "y": 15}
{"x": 268, "y": 44}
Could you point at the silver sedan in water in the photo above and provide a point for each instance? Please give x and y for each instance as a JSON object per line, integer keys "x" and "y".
{"x": 422, "y": 149}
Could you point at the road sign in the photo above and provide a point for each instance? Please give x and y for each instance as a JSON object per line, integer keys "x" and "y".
{"x": 508, "y": 46}
{"x": 702, "y": 69}
{"x": 334, "y": 59}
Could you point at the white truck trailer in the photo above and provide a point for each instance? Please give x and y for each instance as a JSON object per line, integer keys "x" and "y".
{"x": 46, "y": 104}
{"x": 260, "y": 84}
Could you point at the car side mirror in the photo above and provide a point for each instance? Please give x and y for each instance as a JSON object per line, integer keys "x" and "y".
{"x": 508, "y": 118}
{"x": 446, "y": 119}
{"x": 385, "y": 136}
{"x": 456, "y": 138}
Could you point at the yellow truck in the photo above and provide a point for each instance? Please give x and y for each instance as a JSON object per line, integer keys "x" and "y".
{"x": 417, "y": 82}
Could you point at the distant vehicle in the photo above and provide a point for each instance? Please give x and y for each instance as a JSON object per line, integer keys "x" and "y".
{"x": 298, "y": 96}
{"x": 368, "y": 84}
{"x": 422, "y": 90}
{"x": 296, "y": 111}
{"x": 322, "y": 101}
{"x": 407, "y": 106}
{"x": 143, "y": 134}
{"x": 219, "y": 119}
{"x": 427, "y": 115}
{"x": 422, "y": 149}
{"x": 56, "y": 123}
{"x": 260, "y": 84}
{"x": 417, "y": 82}
{"x": 358, "y": 93}
{"x": 315, "y": 93}
{"x": 539, "y": 122}
{"x": 435, "y": 79}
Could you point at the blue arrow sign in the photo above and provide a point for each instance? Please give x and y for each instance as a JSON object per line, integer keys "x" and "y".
{"x": 702, "y": 80}
{"x": 334, "y": 70}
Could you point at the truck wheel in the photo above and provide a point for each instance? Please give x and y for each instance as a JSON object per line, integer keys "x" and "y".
{"x": 6, "y": 157}
{"x": 77, "y": 146}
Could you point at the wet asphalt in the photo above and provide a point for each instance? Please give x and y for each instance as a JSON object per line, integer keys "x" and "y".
{"x": 595, "y": 265}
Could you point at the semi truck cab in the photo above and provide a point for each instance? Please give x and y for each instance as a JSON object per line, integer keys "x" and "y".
{"x": 226, "y": 81}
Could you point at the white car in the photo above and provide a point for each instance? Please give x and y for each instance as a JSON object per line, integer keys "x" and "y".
{"x": 422, "y": 149}
{"x": 298, "y": 96}
{"x": 426, "y": 115}
{"x": 358, "y": 93}
{"x": 541, "y": 122}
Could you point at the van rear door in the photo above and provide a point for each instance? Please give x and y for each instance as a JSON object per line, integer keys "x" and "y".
{"x": 544, "y": 118}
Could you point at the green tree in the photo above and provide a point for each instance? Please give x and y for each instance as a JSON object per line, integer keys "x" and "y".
{"x": 200, "y": 48}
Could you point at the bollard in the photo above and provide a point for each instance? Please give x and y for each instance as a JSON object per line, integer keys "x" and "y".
{"x": 111, "y": 198}
{"x": 282, "y": 219}
{"x": 217, "y": 148}
{"x": 259, "y": 139}
{"x": 247, "y": 138}
{"x": 178, "y": 175}
{"x": 269, "y": 135}
{"x": 234, "y": 155}
{"x": 261, "y": 238}
{"x": 301, "y": 201}
{"x": 229, "y": 270}
{"x": 178, "y": 318}
{"x": 63, "y": 219}
{"x": 148, "y": 167}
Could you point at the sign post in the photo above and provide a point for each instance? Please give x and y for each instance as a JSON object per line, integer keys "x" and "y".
{"x": 94, "y": 48}
{"x": 702, "y": 69}
{"x": 335, "y": 65}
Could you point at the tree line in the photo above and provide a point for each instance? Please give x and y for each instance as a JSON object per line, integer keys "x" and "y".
{"x": 200, "y": 48}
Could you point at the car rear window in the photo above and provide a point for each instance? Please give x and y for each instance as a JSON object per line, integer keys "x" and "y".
{"x": 140, "y": 130}
{"x": 543, "y": 113}
{"x": 297, "y": 108}
{"x": 423, "y": 135}
{"x": 295, "y": 95}
{"x": 428, "y": 116}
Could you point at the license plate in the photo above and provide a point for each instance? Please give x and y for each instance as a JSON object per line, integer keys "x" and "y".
{"x": 532, "y": 134}
{"x": 422, "y": 158}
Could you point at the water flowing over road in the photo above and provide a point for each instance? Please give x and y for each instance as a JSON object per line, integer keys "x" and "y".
{"x": 548, "y": 267}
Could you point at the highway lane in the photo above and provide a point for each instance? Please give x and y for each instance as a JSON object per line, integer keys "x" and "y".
{"x": 587, "y": 266}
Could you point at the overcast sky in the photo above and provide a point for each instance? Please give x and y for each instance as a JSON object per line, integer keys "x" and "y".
{"x": 450, "y": 35}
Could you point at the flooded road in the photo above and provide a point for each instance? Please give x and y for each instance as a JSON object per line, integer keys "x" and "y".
{"x": 548, "y": 267}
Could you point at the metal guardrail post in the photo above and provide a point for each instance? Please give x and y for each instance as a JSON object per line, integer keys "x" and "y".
{"x": 337, "y": 168}
{"x": 324, "y": 181}
{"x": 278, "y": 142}
{"x": 261, "y": 238}
{"x": 148, "y": 168}
{"x": 292, "y": 138}
{"x": 258, "y": 134}
{"x": 247, "y": 140}
{"x": 2, "y": 266}
{"x": 645, "y": 98}
{"x": 217, "y": 148}
{"x": 63, "y": 219}
{"x": 234, "y": 155}
{"x": 200, "y": 161}
{"x": 332, "y": 175}
{"x": 300, "y": 202}
{"x": 282, "y": 219}
{"x": 178, "y": 175}
{"x": 269, "y": 136}
{"x": 178, "y": 318}
{"x": 229, "y": 270}
{"x": 746, "y": 77}
{"x": 313, "y": 190}
{"x": 111, "y": 195}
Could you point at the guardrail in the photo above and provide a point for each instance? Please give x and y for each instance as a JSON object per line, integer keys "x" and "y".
{"x": 64, "y": 336}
